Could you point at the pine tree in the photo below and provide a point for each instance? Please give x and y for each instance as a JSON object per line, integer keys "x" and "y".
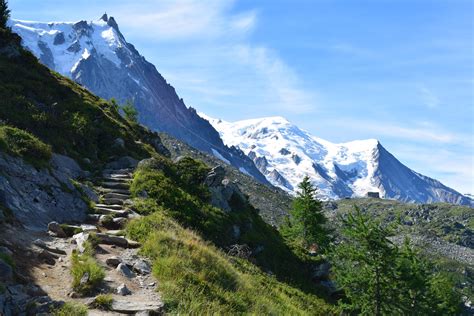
{"x": 131, "y": 113}
{"x": 4, "y": 13}
{"x": 307, "y": 218}
{"x": 363, "y": 266}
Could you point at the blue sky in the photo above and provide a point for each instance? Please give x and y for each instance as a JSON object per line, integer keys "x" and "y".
{"x": 401, "y": 71}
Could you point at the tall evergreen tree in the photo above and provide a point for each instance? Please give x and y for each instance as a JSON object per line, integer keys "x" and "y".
{"x": 307, "y": 220}
{"x": 363, "y": 266}
{"x": 4, "y": 13}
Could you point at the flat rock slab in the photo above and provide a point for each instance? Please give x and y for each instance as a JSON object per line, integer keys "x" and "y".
{"x": 136, "y": 307}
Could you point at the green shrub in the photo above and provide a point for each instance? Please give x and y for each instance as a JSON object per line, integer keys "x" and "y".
{"x": 70, "y": 309}
{"x": 22, "y": 144}
{"x": 85, "y": 263}
{"x": 103, "y": 301}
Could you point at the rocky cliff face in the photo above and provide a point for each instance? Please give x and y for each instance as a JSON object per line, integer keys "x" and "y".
{"x": 96, "y": 55}
{"x": 36, "y": 197}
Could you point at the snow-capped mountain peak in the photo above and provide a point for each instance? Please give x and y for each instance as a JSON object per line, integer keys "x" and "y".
{"x": 285, "y": 154}
{"x": 96, "y": 55}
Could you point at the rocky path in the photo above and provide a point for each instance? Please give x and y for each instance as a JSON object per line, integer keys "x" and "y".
{"x": 128, "y": 276}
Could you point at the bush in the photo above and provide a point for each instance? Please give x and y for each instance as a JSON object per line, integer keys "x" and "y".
{"x": 70, "y": 309}
{"x": 103, "y": 301}
{"x": 22, "y": 144}
{"x": 82, "y": 264}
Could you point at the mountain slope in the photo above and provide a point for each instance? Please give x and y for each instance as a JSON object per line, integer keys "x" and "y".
{"x": 96, "y": 55}
{"x": 285, "y": 154}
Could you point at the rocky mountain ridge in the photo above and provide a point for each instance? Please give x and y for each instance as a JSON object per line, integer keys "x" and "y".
{"x": 96, "y": 55}
{"x": 285, "y": 154}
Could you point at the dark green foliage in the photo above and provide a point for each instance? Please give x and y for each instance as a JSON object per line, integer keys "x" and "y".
{"x": 4, "y": 13}
{"x": 7, "y": 259}
{"x": 19, "y": 143}
{"x": 306, "y": 226}
{"x": 191, "y": 174}
{"x": 130, "y": 112}
{"x": 380, "y": 278}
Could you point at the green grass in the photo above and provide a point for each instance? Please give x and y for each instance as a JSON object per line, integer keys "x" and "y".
{"x": 103, "y": 301}
{"x": 85, "y": 263}
{"x": 70, "y": 309}
{"x": 17, "y": 142}
{"x": 195, "y": 277}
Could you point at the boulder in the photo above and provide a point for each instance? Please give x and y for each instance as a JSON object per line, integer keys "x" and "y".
{"x": 112, "y": 240}
{"x": 122, "y": 163}
{"x": 113, "y": 261}
{"x": 80, "y": 240}
{"x": 123, "y": 269}
{"x": 56, "y": 229}
{"x": 215, "y": 176}
{"x": 123, "y": 290}
{"x": 142, "y": 267}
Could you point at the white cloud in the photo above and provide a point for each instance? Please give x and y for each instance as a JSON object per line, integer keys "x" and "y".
{"x": 428, "y": 97}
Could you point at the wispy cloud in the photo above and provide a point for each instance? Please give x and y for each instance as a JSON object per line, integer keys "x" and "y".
{"x": 223, "y": 35}
{"x": 428, "y": 97}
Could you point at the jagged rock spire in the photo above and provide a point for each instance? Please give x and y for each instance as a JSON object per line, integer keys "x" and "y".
{"x": 104, "y": 17}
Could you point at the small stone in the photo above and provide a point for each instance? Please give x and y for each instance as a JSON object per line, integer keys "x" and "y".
{"x": 113, "y": 261}
{"x": 73, "y": 294}
{"x": 84, "y": 279}
{"x": 125, "y": 271}
{"x": 123, "y": 290}
{"x": 151, "y": 284}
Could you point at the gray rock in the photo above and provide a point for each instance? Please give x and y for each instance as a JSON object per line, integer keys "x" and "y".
{"x": 142, "y": 267}
{"x": 80, "y": 240}
{"x": 6, "y": 271}
{"x": 112, "y": 240}
{"x": 56, "y": 229}
{"x": 122, "y": 163}
{"x": 126, "y": 307}
{"x": 119, "y": 142}
{"x": 125, "y": 271}
{"x": 113, "y": 261}
{"x": 120, "y": 221}
{"x": 215, "y": 176}
{"x": 37, "y": 197}
{"x": 123, "y": 290}
{"x": 84, "y": 279}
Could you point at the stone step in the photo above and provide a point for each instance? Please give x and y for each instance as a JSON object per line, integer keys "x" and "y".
{"x": 116, "y": 196}
{"x": 113, "y": 201}
{"x": 104, "y": 210}
{"x": 113, "y": 179}
{"x": 117, "y": 171}
{"x": 115, "y": 185}
{"x": 117, "y": 191}
{"x": 94, "y": 217}
{"x": 119, "y": 175}
{"x": 141, "y": 308}
{"x": 111, "y": 206}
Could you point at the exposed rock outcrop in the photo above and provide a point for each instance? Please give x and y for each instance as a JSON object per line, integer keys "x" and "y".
{"x": 36, "y": 197}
